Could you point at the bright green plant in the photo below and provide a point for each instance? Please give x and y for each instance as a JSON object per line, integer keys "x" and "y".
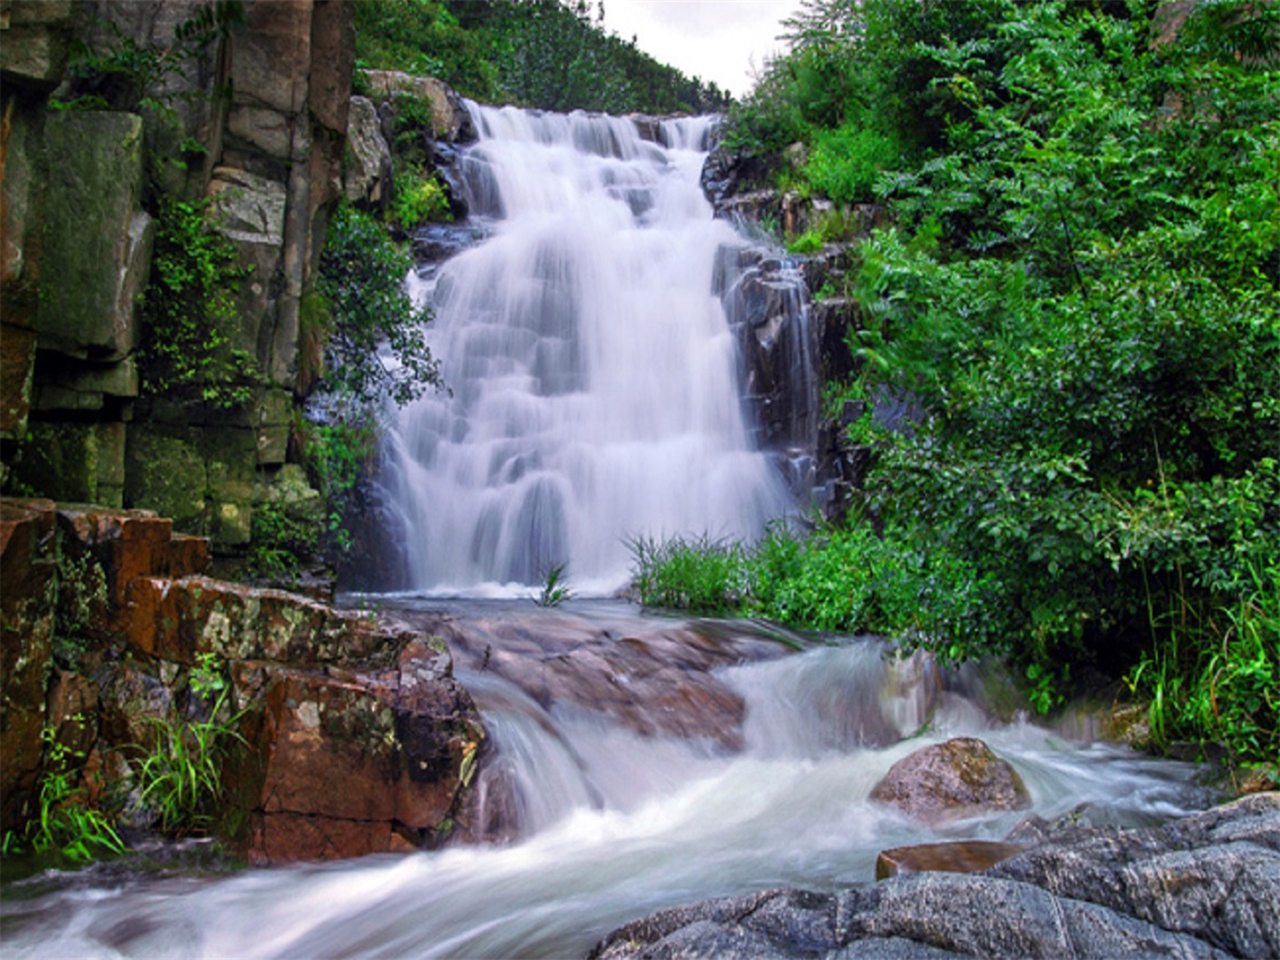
{"x": 700, "y": 574}
{"x": 808, "y": 242}
{"x": 417, "y": 199}
{"x": 554, "y": 591}
{"x": 338, "y": 455}
{"x": 68, "y": 823}
{"x": 189, "y": 314}
{"x": 180, "y": 778}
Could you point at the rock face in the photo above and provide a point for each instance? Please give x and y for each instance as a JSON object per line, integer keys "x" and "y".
{"x": 357, "y": 738}
{"x": 450, "y": 120}
{"x": 1204, "y": 886}
{"x": 77, "y": 243}
{"x": 951, "y": 780}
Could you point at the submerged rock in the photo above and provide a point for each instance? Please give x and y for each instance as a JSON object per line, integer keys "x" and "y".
{"x": 959, "y": 778}
{"x": 1203, "y": 886}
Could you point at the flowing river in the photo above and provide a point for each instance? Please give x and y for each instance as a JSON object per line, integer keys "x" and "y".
{"x": 610, "y": 823}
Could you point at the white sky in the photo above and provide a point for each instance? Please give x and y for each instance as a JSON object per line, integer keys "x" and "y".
{"x": 716, "y": 40}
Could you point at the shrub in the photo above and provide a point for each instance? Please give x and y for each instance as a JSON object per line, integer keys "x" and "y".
{"x": 417, "y": 199}
{"x": 845, "y": 162}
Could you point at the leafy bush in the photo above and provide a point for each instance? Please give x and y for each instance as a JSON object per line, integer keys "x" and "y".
{"x": 279, "y": 540}
{"x": 417, "y": 199}
{"x": 189, "y": 311}
{"x": 846, "y": 161}
{"x": 362, "y": 279}
{"x": 701, "y": 574}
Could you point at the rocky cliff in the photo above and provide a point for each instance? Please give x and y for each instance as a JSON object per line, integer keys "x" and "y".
{"x": 253, "y": 122}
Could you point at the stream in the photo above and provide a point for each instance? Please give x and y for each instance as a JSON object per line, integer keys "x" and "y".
{"x": 599, "y": 823}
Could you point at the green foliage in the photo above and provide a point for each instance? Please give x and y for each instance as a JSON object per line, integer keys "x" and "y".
{"x": 180, "y": 779}
{"x": 544, "y": 53}
{"x": 189, "y": 313}
{"x": 846, "y": 161}
{"x": 417, "y": 199}
{"x": 279, "y": 541}
{"x": 808, "y": 242}
{"x": 1225, "y": 690}
{"x": 701, "y": 574}
{"x": 68, "y": 824}
{"x": 362, "y": 279}
{"x": 554, "y": 592}
{"x": 338, "y": 455}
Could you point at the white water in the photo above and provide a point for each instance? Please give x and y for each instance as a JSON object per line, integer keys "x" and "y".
{"x": 594, "y": 377}
{"x": 618, "y": 825}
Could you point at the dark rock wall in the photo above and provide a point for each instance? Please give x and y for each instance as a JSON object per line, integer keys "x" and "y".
{"x": 268, "y": 105}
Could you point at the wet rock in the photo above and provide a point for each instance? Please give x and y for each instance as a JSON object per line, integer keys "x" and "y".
{"x": 347, "y": 763}
{"x": 1215, "y": 876}
{"x": 1203, "y": 886}
{"x": 961, "y": 856}
{"x": 959, "y": 778}
{"x": 659, "y": 682}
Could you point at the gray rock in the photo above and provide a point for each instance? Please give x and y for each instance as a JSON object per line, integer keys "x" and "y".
{"x": 1204, "y": 886}
{"x": 367, "y": 172}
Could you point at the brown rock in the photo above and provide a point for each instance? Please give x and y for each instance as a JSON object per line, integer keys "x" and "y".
{"x": 349, "y": 763}
{"x": 27, "y": 569}
{"x": 963, "y": 856}
{"x": 177, "y": 619}
{"x": 951, "y": 780}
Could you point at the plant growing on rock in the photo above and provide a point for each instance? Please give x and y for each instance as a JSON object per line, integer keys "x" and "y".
{"x": 69, "y": 823}
{"x": 189, "y": 311}
{"x": 180, "y": 778}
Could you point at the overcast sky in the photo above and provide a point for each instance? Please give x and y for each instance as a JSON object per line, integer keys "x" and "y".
{"x": 713, "y": 39}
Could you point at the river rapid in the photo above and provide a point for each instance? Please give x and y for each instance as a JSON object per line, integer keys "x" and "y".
{"x": 597, "y": 822}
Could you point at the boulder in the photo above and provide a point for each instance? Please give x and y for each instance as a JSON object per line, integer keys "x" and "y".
{"x": 1203, "y": 886}
{"x": 366, "y": 175}
{"x": 959, "y": 778}
{"x": 175, "y": 620}
{"x": 348, "y": 763}
{"x": 97, "y": 241}
{"x": 450, "y": 119}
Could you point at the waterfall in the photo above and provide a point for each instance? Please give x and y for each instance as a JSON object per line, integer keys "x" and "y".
{"x": 595, "y": 381}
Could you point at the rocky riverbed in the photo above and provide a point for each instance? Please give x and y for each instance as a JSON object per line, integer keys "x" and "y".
{"x": 1206, "y": 885}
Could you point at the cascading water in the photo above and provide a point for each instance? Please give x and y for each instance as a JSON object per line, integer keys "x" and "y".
{"x": 614, "y": 824}
{"x": 594, "y": 377}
